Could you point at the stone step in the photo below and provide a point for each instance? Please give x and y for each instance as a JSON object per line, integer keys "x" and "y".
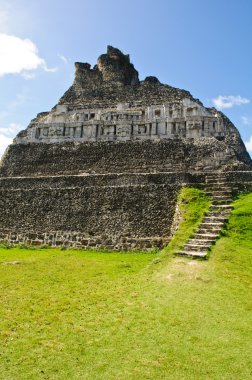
{"x": 215, "y": 180}
{"x": 221, "y": 207}
{"x": 218, "y": 188}
{"x": 222, "y": 216}
{"x": 210, "y": 219}
{"x": 215, "y": 173}
{"x": 215, "y": 212}
{"x": 224, "y": 213}
{"x": 214, "y": 216}
{"x": 207, "y": 236}
{"x": 222, "y": 198}
{"x": 197, "y": 247}
{"x": 215, "y": 189}
{"x": 209, "y": 230}
{"x": 220, "y": 202}
{"x": 219, "y": 193}
{"x": 211, "y": 182}
{"x": 217, "y": 183}
{"x": 211, "y": 224}
{"x": 193, "y": 254}
{"x": 200, "y": 241}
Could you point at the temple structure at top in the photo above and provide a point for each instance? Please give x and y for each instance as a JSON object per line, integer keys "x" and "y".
{"x": 185, "y": 119}
{"x": 109, "y": 103}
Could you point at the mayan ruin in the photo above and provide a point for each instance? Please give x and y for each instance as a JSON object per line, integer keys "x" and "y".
{"x": 104, "y": 167}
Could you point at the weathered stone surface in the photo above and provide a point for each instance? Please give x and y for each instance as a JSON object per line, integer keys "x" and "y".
{"x": 109, "y": 103}
{"x": 125, "y": 157}
{"x": 94, "y": 211}
{"x": 104, "y": 166}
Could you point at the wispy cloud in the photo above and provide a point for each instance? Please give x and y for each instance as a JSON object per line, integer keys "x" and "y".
{"x": 19, "y": 99}
{"x": 4, "y": 15}
{"x": 20, "y": 56}
{"x": 248, "y": 144}
{"x": 13, "y": 105}
{"x": 11, "y": 130}
{"x": 3, "y": 114}
{"x": 229, "y": 101}
{"x": 28, "y": 76}
{"x": 64, "y": 58}
{"x": 246, "y": 120}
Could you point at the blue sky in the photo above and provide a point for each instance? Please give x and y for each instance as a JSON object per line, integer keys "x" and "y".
{"x": 201, "y": 46}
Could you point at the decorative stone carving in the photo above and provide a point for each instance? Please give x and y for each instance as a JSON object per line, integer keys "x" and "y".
{"x": 123, "y": 131}
{"x": 163, "y": 121}
{"x": 55, "y": 131}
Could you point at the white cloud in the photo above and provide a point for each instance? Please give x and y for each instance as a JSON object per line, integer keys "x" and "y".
{"x": 246, "y": 120}
{"x": 229, "y": 101}
{"x": 20, "y": 56}
{"x": 249, "y": 144}
{"x": 4, "y": 142}
{"x": 7, "y": 134}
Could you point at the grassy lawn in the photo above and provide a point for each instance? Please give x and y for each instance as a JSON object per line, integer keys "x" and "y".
{"x": 88, "y": 315}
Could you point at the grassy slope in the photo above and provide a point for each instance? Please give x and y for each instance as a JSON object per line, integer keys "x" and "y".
{"x": 83, "y": 315}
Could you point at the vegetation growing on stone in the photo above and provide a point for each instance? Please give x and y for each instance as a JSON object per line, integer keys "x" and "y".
{"x": 192, "y": 204}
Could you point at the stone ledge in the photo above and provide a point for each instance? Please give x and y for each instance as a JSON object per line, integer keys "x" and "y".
{"x": 79, "y": 240}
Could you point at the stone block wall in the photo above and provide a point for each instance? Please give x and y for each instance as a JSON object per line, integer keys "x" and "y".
{"x": 114, "y": 211}
{"x": 182, "y": 155}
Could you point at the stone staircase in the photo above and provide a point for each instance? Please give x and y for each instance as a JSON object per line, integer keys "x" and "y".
{"x": 220, "y": 192}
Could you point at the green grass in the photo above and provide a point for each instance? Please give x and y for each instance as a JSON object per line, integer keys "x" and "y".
{"x": 88, "y": 315}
